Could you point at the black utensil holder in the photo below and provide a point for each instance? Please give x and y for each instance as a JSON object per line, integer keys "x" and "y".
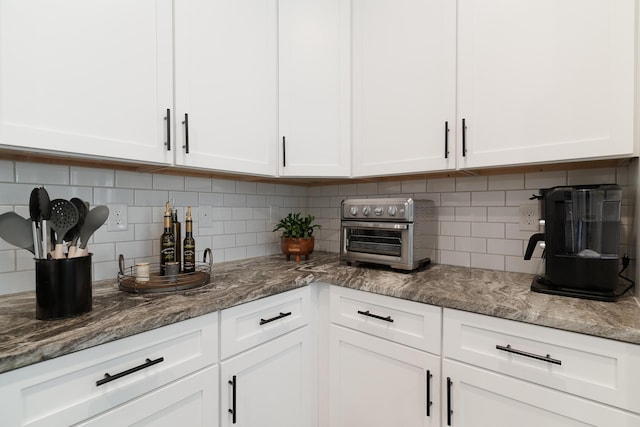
{"x": 63, "y": 287}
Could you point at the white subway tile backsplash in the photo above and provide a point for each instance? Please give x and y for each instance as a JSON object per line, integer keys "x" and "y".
{"x": 446, "y": 243}
{"x": 503, "y": 214}
{"x": 60, "y": 192}
{"x": 134, "y": 249}
{"x": 266, "y": 189}
{"x": 470, "y": 244}
{"x": 242, "y": 213}
{"x": 591, "y": 176}
{"x": 246, "y": 239}
{"x": 388, "y": 187}
{"x": 139, "y": 215}
{"x": 232, "y": 254}
{"x": 224, "y": 241}
{"x": 369, "y": 188}
{"x": 245, "y": 187}
{"x": 330, "y": 190}
{"x": 471, "y": 183}
{"x": 17, "y": 281}
{"x": 257, "y": 225}
{"x": 519, "y": 265}
{"x": 416, "y": 186}
{"x": 223, "y": 185}
{"x": 520, "y": 197}
{"x": 126, "y": 179}
{"x": 15, "y": 194}
{"x": 505, "y": 247}
{"x": 234, "y": 200}
{"x": 24, "y": 261}
{"x": 7, "y": 261}
{"x": 537, "y": 180}
{"x": 512, "y": 231}
{"x": 488, "y": 198}
{"x": 41, "y": 174}
{"x": 462, "y": 259}
{"x": 105, "y": 270}
{"x": 478, "y": 214}
{"x": 92, "y": 177}
{"x": 104, "y": 196}
{"x": 235, "y": 227}
{"x": 455, "y": 199}
{"x": 104, "y": 252}
{"x": 487, "y": 229}
{"x": 192, "y": 183}
{"x": 6, "y": 171}
{"x": 455, "y": 228}
{"x": 168, "y": 182}
{"x": 151, "y": 197}
{"x": 441, "y": 185}
{"x": 147, "y": 231}
{"x": 183, "y": 199}
{"x": 488, "y": 261}
{"x": 255, "y": 201}
{"x": 506, "y": 182}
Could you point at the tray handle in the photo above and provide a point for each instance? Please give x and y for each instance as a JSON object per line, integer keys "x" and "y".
{"x": 204, "y": 258}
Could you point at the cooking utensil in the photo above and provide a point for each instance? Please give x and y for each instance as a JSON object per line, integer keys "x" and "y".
{"x": 34, "y": 213}
{"x": 16, "y": 230}
{"x": 45, "y": 216}
{"x": 74, "y": 234}
{"x": 64, "y": 216}
{"x": 95, "y": 218}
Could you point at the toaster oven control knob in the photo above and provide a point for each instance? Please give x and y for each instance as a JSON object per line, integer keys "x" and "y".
{"x": 353, "y": 210}
{"x": 379, "y": 210}
{"x": 366, "y": 210}
{"x": 392, "y": 211}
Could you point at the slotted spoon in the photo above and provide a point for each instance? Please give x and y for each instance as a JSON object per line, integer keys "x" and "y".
{"x": 64, "y": 216}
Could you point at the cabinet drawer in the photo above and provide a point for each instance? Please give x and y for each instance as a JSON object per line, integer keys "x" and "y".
{"x": 405, "y": 322}
{"x": 596, "y": 368}
{"x": 64, "y": 390}
{"x": 248, "y": 325}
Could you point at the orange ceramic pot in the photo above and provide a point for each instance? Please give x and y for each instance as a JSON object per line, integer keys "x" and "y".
{"x": 296, "y": 247}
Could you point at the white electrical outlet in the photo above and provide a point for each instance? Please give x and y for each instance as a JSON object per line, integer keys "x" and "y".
{"x": 118, "y": 220}
{"x": 529, "y": 218}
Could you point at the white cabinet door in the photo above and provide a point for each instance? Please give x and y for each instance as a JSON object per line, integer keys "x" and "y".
{"x": 226, "y": 82}
{"x": 191, "y": 401}
{"x": 403, "y": 86}
{"x": 315, "y": 85}
{"x": 269, "y": 385}
{"x": 87, "y": 77}
{"x": 378, "y": 383}
{"x": 545, "y": 80}
{"x": 480, "y": 398}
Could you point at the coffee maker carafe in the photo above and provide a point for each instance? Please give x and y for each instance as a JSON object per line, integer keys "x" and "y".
{"x": 582, "y": 241}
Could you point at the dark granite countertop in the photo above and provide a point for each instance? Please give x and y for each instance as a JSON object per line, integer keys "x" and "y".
{"x": 116, "y": 314}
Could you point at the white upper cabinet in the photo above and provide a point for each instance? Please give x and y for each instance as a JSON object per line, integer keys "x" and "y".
{"x": 315, "y": 85}
{"x": 545, "y": 80}
{"x": 226, "y": 84}
{"x": 403, "y": 86}
{"x": 87, "y": 77}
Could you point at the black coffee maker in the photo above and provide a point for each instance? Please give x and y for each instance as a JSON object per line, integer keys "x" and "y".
{"x": 581, "y": 240}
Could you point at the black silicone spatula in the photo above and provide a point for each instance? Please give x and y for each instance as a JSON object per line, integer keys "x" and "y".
{"x": 94, "y": 220}
{"x": 64, "y": 216}
{"x": 34, "y": 213}
{"x": 73, "y": 234}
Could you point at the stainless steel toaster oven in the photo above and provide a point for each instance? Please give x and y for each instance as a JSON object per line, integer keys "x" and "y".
{"x": 398, "y": 232}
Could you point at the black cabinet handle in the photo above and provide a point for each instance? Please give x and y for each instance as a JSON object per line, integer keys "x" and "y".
{"x": 375, "y": 316}
{"x": 464, "y": 137}
{"x": 446, "y": 140}
{"x": 284, "y": 152}
{"x": 232, "y": 411}
{"x": 279, "y": 316}
{"x": 449, "y": 410}
{"x": 429, "y": 403}
{"x": 108, "y": 378}
{"x": 167, "y": 118}
{"x": 546, "y": 358}
{"x": 186, "y": 133}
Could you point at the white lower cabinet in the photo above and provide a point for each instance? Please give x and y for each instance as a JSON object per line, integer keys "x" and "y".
{"x": 190, "y": 401}
{"x": 477, "y": 397}
{"x": 379, "y": 383}
{"x": 269, "y": 385}
{"x": 499, "y": 372}
{"x": 163, "y": 373}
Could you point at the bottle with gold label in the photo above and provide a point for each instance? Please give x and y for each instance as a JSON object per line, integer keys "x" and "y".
{"x": 167, "y": 242}
{"x": 189, "y": 246}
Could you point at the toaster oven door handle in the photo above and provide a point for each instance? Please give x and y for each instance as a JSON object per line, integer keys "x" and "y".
{"x": 377, "y": 225}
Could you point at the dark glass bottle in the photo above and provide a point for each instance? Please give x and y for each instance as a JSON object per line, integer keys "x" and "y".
{"x": 189, "y": 245}
{"x": 175, "y": 228}
{"x": 167, "y": 242}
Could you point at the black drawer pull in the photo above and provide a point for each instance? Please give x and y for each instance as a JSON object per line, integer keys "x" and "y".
{"x": 186, "y": 133}
{"x": 108, "y": 378}
{"x": 280, "y": 316}
{"x": 232, "y": 411}
{"x": 168, "y": 124}
{"x": 546, "y": 358}
{"x": 375, "y": 316}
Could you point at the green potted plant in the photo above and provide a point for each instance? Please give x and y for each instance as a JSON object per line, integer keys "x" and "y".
{"x": 297, "y": 235}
